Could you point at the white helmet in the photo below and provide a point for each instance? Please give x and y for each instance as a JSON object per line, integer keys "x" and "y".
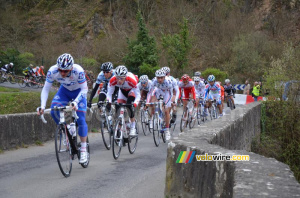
{"x": 144, "y": 78}
{"x": 65, "y": 62}
{"x": 11, "y": 64}
{"x": 160, "y": 73}
{"x": 196, "y": 79}
{"x": 227, "y": 81}
{"x": 197, "y": 73}
{"x": 121, "y": 70}
{"x": 166, "y": 69}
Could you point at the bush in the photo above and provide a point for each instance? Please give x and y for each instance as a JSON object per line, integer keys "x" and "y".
{"x": 220, "y": 75}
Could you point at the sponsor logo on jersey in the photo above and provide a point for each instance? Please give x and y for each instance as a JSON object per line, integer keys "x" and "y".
{"x": 56, "y": 97}
{"x": 81, "y": 76}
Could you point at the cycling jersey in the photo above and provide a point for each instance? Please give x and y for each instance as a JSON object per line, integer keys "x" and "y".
{"x": 147, "y": 88}
{"x": 101, "y": 78}
{"x": 128, "y": 88}
{"x": 74, "y": 81}
{"x": 200, "y": 89}
{"x": 229, "y": 89}
{"x": 188, "y": 89}
{"x": 73, "y": 87}
{"x": 27, "y": 71}
{"x": 214, "y": 92}
{"x": 176, "y": 89}
{"x": 40, "y": 72}
{"x": 164, "y": 89}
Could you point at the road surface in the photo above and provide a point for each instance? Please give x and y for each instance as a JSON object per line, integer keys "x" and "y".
{"x": 33, "y": 171}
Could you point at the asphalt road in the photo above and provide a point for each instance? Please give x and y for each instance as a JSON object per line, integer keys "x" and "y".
{"x": 33, "y": 171}
{"x": 25, "y": 89}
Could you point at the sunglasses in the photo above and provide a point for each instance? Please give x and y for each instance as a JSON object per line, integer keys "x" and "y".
{"x": 64, "y": 71}
{"x": 120, "y": 78}
{"x": 143, "y": 83}
{"x": 106, "y": 72}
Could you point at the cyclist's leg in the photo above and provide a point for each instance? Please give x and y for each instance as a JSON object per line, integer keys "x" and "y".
{"x": 167, "y": 100}
{"x": 60, "y": 100}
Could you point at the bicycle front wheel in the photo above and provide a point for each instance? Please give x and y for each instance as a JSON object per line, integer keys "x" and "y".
{"x": 117, "y": 141}
{"x": 106, "y": 134}
{"x": 156, "y": 129}
{"x": 184, "y": 121}
{"x": 12, "y": 79}
{"x": 63, "y": 151}
{"x": 133, "y": 140}
{"x": 192, "y": 118}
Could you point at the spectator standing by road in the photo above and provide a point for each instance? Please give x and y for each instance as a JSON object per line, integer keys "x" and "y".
{"x": 247, "y": 88}
{"x": 255, "y": 92}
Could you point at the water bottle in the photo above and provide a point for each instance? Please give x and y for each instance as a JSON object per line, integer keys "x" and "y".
{"x": 72, "y": 129}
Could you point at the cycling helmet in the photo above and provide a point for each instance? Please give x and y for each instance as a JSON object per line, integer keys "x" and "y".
{"x": 42, "y": 67}
{"x": 65, "y": 62}
{"x": 197, "y": 73}
{"x": 166, "y": 69}
{"x": 196, "y": 79}
{"x": 227, "y": 81}
{"x": 185, "y": 77}
{"x": 30, "y": 65}
{"x": 144, "y": 78}
{"x": 211, "y": 78}
{"x": 160, "y": 73}
{"x": 108, "y": 66}
{"x": 121, "y": 70}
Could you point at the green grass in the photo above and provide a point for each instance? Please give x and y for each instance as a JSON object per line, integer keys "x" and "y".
{"x": 94, "y": 130}
{"x": 39, "y": 143}
{"x": 21, "y": 102}
{"x": 4, "y": 89}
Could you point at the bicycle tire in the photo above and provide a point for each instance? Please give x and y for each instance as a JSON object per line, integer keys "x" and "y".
{"x": 22, "y": 83}
{"x": 117, "y": 143}
{"x": 12, "y": 79}
{"x": 106, "y": 134}
{"x": 199, "y": 117}
{"x": 85, "y": 165}
{"x": 192, "y": 120}
{"x": 132, "y": 141}
{"x": 144, "y": 122}
{"x": 156, "y": 130}
{"x": 230, "y": 104}
{"x": 183, "y": 123}
{"x": 64, "y": 163}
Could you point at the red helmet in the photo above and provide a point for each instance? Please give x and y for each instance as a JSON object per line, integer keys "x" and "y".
{"x": 185, "y": 77}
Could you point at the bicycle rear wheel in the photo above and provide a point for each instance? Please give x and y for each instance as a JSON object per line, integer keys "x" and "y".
{"x": 21, "y": 82}
{"x": 132, "y": 141}
{"x": 106, "y": 134}
{"x": 144, "y": 122}
{"x": 63, "y": 151}
{"x": 12, "y": 79}
{"x": 156, "y": 129}
{"x": 117, "y": 141}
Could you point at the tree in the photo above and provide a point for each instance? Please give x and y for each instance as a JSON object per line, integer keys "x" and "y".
{"x": 220, "y": 75}
{"x": 178, "y": 46}
{"x": 142, "y": 51}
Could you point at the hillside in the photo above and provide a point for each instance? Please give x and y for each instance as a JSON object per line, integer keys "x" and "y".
{"x": 240, "y": 37}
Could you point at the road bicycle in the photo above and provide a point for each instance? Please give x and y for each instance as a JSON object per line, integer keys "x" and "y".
{"x": 66, "y": 145}
{"x": 121, "y": 132}
{"x": 144, "y": 118}
{"x": 10, "y": 77}
{"x": 200, "y": 111}
{"x": 189, "y": 115}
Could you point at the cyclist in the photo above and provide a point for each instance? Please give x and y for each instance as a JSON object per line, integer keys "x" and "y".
{"x": 199, "y": 88}
{"x": 128, "y": 92}
{"x": 39, "y": 71}
{"x": 222, "y": 94}
{"x": 144, "y": 86}
{"x": 104, "y": 76}
{"x": 73, "y": 87}
{"x": 212, "y": 91}
{"x": 187, "y": 87}
{"x": 6, "y": 69}
{"x": 175, "y": 93}
{"x": 162, "y": 86}
{"x": 229, "y": 91}
{"x": 28, "y": 71}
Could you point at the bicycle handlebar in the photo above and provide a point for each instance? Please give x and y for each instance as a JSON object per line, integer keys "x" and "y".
{"x": 68, "y": 108}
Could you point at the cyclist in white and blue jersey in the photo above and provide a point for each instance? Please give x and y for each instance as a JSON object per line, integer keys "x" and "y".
{"x": 104, "y": 76}
{"x": 73, "y": 88}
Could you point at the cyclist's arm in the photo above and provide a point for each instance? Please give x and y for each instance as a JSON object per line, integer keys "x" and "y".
{"x": 137, "y": 95}
{"x": 45, "y": 93}
{"x": 176, "y": 88}
{"x": 179, "y": 95}
{"x": 110, "y": 92}
{"x": 83, "y": 92}
{"x": 94, "y": 92}
{"x": 194, "y": 92}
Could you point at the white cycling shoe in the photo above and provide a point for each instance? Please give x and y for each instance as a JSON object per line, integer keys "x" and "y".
{"x": 132, "y": 132}
{"x": 83, "y": 157}
{"x": 167, "y": 134}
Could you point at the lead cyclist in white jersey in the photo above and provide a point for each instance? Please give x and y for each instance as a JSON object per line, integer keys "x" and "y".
{"x": 73, "y": 88}
{"x": 162, "y": 86}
